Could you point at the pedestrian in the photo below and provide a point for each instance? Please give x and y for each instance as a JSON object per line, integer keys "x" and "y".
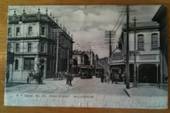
{"x": 59, "y": 75}
{"x": 102, "y": 78}
{"x": 112, "y": 77}
{"x": 70, "y": 79}
{"x": 123, "y": 77}
{"x": 7, "y": 76}
{"x": 30, "y": 76}
{"x": 67, "y": 78}
{"x": 116, "y": 77}
{"x": 40, "y": 74}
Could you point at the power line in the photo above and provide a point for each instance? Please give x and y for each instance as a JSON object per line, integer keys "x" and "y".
{"x": 120, "y": 23}
{"x": 121, "y": 14}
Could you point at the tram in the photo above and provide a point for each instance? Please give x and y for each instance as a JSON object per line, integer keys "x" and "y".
{"x": 86, "y": 72}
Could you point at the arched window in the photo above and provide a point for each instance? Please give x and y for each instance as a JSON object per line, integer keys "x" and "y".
{"x": 16, "y": 64}
{"x": 154, "y": 41}
{"x": 140, "y": 42}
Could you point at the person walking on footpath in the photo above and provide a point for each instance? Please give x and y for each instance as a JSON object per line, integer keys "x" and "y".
{"x": 116, "y": 76}
{"x": 112, "y": 77}
{"x": 102, "y": 78}
{"x": 67, "y": 78}
{"x": 70, "y": 79}
{"x": 124, "y": 77}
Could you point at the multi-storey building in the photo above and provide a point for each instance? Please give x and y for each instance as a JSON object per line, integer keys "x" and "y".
{"x": 161, "y": 18}
{"x": 32, "y": 39}
{"x": 147, "y": 51}
{"x": 82, "y": 59}
{"x": 65, "y": 52}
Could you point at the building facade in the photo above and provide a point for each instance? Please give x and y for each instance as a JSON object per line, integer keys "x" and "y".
{"x": 161, "y": 18}
{"x": 145, "y": 36}
{"x": 117, "y": 62}
{"x": 65, "y": 52}
{"x": 32, "y": 41}
{"x": 83, "y": 59}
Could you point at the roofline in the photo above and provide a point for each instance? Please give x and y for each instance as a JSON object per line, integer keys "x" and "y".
{"x": 144, "y": 27}
{"x": 160, "y": 13}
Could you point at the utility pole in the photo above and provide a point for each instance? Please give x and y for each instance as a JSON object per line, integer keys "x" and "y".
{"x": 135, "y": 76}
{"x": 68, "y": 60}
{"x": 127, "y": 48}
{"x": 110, "y": 43}
{"x": 109, "y": 34}
{"x": 58, "y": 30}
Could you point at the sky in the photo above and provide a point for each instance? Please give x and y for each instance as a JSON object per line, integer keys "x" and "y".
{"x": 88, "y": 23}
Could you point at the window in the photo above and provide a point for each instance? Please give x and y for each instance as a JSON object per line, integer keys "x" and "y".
{"x": 140, "y": 42}
{"x": 28, "y": 63}
{"x": 9, "y": 32}
{"x": 42, "y": 30}
{"x": 9, "y": 46}
{"x": 16, "y": 64}
{"x": 41, "y": 47}
{"x": 29, "y": 30}
{"x": 17, "y": 47}
{"x": 29, "y": 47}
{"x": 17, "y": 31}
{"x": 154, "y": 41}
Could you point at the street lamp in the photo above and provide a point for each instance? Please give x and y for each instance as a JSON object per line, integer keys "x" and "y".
{"x": 58, "y": 31}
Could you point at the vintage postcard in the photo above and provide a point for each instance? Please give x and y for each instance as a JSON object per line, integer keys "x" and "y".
{"x": 107, "y": 56}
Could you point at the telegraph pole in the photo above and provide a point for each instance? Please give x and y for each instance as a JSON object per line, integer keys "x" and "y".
{"x": 58, "y": 31}
{"x": 110, "y": 43}
{"x": 135, "y": 76}
{"x": 109, "y": 34}
{"x": 127, "y": 48}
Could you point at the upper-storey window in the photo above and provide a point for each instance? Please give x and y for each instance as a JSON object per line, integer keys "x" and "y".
{"x": 17, "y": 31}
{"x": 154, "y": 41}
{"x": 42, "y": 30}
{"x": 29, "y": 49}
{"x": 140, "y": 42}
{"x": 9, "y": 31}
{"x": 42, "y": 47}
{"x": 9, "y": 46}
{"x": 17, "y": 47}
{"x": 29, "y": 30}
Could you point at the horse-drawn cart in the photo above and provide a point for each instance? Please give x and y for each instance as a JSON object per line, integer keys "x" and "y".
{"x": 34, "y": 76}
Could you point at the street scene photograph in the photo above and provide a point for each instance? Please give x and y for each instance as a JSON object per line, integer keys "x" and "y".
{"x": 104, "y": 56}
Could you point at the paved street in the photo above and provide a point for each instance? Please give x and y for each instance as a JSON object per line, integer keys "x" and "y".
{"x": 80, "y": 86}
{"x": 85, "y": 93}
